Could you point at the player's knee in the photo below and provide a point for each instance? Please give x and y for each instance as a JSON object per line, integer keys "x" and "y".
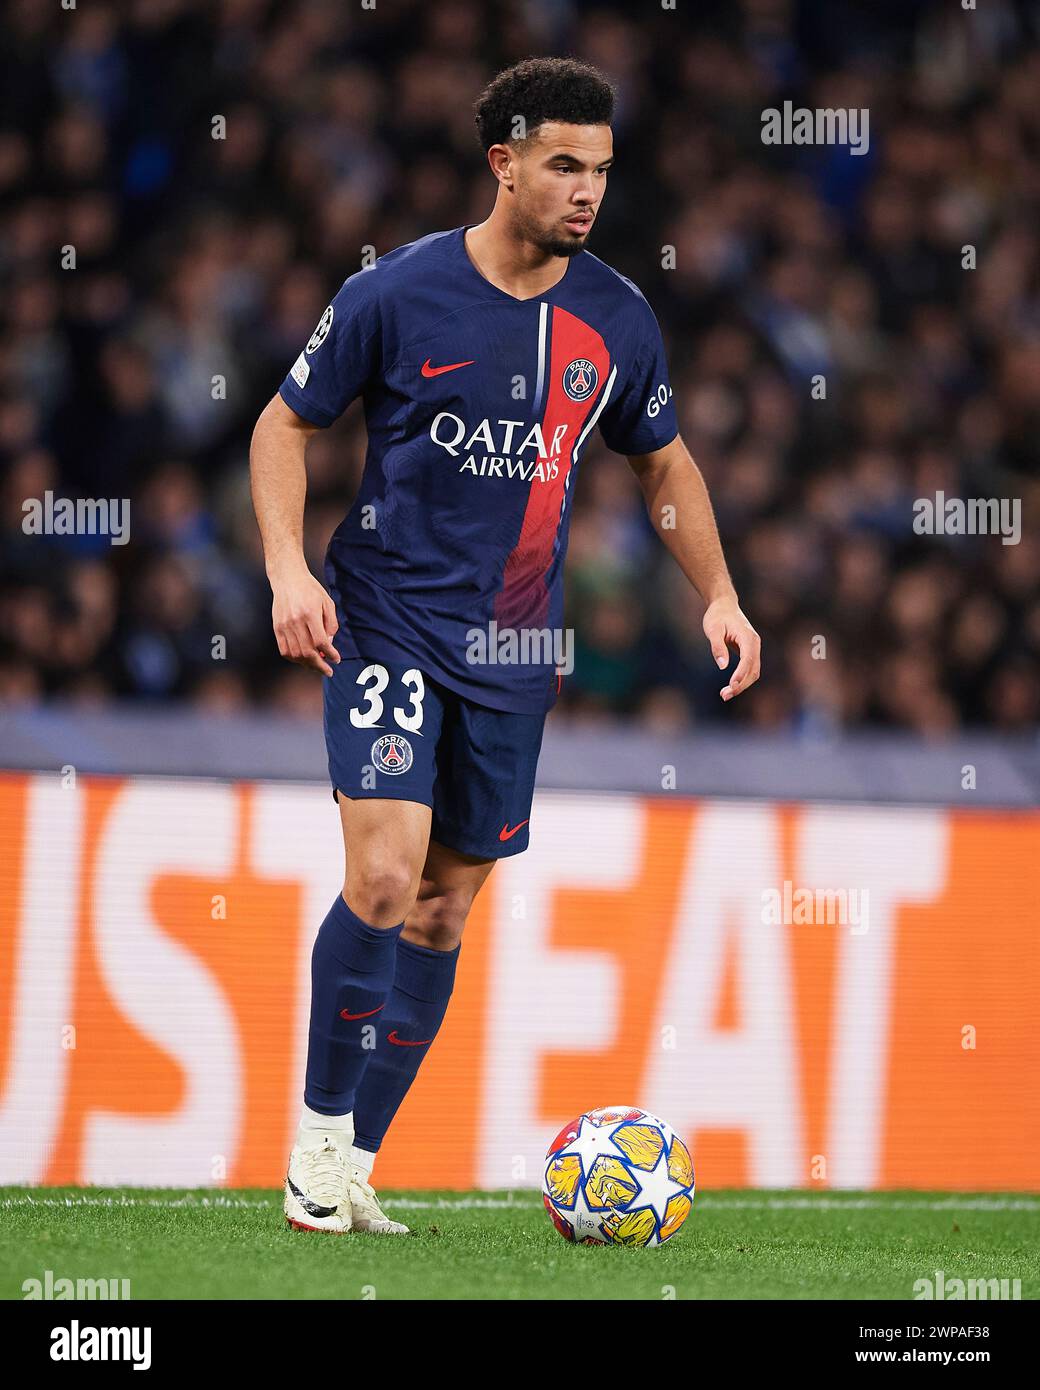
{"x": 380, "y": 893}
{"x": 438, "y": 922}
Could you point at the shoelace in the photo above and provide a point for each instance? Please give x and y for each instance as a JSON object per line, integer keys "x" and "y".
{"x": 324, "y": 1173}
{"x": 366, "y": 1188}
{"x": 369, "y": 1204}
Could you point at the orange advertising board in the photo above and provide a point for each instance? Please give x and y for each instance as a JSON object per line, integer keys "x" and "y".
{"x": 815, "y": 996}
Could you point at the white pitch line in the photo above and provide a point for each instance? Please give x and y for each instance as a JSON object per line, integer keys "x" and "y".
{"x": 758, "y": 1204}
{"x": 121, "y": 1200}
{"x": 870, "y": 1204}
{"x": 493, "y": 1203}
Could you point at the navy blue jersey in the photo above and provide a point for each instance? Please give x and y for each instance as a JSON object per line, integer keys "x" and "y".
{"x": 478, "y": 407}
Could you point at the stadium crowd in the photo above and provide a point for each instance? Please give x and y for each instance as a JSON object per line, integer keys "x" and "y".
{"x": 219, "y": 168}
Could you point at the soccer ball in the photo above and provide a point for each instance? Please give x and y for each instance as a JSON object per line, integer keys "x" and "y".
{"x": 618, "y": 1176}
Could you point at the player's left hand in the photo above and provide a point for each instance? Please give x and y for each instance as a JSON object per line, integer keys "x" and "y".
{"x": 726, "y": 626}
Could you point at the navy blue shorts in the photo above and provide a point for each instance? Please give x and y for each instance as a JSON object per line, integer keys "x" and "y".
{"x": 393, "y": 732}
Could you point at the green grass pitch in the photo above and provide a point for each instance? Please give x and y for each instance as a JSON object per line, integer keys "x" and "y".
{"x": 735, "y": 1245}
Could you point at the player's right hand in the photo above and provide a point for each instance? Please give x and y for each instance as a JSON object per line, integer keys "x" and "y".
{"x": 304, "y": 620}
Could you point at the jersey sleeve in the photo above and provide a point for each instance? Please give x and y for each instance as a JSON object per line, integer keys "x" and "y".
{"x": 341, "y": 356}
{"x": 641, "y": 417}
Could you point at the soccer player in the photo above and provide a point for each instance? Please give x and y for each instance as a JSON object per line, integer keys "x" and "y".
{"x": 485, "y": 357}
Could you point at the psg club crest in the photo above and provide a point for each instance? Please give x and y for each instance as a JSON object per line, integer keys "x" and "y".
{"x": 392, "y": 754}
{"x": 319, "y": 335}
{"x": 580, "y": 379}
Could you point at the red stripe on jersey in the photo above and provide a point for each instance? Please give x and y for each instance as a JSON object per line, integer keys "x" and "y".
{"x": 524, "y": 598}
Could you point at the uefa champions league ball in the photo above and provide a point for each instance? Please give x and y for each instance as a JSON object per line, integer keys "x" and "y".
{"x": 618, "y": 1176}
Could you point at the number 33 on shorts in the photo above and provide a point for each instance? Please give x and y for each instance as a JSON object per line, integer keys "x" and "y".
{"x": 380, "y": 721}
{"x": 375, "y": 679}
{"x": 392, "y": 731}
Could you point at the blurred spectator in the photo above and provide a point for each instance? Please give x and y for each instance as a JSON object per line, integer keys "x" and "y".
{"x": 832, "y": 357}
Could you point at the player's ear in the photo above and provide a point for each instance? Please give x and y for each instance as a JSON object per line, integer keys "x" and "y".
{"x": 503, "y": 161}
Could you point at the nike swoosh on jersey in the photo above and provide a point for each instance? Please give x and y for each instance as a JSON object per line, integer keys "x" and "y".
{"x": 427, "y": 370}
{"x": 351, "y": 1017}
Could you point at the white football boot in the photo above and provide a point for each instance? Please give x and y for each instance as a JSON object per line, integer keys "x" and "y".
{"x": 366, "y": 1213}
{"x": 316, "y": 1186}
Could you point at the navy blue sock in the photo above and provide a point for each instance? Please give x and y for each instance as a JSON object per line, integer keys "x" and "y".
{"x": 414, "y": 1011}
{"x": 352, "y": 971}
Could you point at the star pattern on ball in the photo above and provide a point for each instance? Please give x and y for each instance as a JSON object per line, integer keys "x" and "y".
{"x": 618, "y": 1175}
{"x": 658, "y": 1187}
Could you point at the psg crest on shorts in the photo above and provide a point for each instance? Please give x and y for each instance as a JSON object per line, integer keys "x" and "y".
{"x": 580, "y": 379}
{"x": 392, "y": 754}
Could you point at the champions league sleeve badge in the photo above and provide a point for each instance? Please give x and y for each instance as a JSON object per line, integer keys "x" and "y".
{"x": 319, "y": 335}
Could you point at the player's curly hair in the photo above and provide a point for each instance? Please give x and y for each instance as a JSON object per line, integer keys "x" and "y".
{"x": 541, "y": 89}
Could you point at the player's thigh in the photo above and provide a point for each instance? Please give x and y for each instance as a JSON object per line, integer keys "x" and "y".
{"x": 385, "y": 845}
{"x": 445, "y": 871}
{"x": 450, "y": 882}
{"x": 382, "y": 723}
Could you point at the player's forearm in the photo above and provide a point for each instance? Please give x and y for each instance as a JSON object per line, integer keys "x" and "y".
{"x": 680, "y": 509}
{"x": 278, "y": 483}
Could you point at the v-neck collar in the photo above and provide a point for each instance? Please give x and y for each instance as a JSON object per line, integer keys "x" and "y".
{"x": 494, "y": 289}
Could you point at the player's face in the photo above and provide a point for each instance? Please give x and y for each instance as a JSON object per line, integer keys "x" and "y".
{"x": 561, "y": 180}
